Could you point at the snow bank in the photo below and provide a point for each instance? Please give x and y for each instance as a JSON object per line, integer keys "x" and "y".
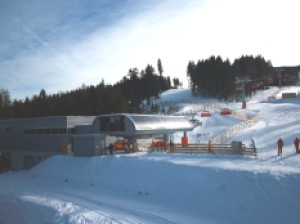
{"x": 170, "y": 188}
{"x": 151, "y": 188}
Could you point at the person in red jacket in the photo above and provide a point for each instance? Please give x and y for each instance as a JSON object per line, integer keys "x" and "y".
{"x": 280, "y": 145}
{"x": 296, "y": 142}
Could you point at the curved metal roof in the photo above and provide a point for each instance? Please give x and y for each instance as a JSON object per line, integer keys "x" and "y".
{"x": 138, "y": 125}
{"x": 160, "y": 122}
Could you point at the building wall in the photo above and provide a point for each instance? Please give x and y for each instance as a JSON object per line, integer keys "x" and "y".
{"x": 26, "y": 159}
{"x": 30, "y": 141}
{"x": 89, "y": 145}
{"x": 36, "y": 134}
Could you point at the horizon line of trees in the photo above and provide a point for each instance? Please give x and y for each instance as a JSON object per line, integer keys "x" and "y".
{"x": 122, "y": 97}
{"x": 212, "y": 77}
{"x": 217, "y": 78}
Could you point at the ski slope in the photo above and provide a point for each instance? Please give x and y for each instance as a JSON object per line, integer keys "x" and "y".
{"x": 171, "y": 188}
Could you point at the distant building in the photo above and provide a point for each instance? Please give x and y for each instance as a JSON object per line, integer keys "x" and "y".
{"x": 29, "y": 141}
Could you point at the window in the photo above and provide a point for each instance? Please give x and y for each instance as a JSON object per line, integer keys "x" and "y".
{"x": 55, "y": 131}
{"x": 29, "y": 131}
{"x": 112, "y": 123}
{"x": 48, "y": 131}
{"x": 72, "y": 131}
{"x": 58, "y": 131}
{"x": 5, "y": 129}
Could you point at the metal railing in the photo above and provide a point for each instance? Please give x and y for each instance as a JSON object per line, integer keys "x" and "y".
{"x": 230, "y": 132}
{"x": 204, "y": 149}
{"x": 199, "y": 108}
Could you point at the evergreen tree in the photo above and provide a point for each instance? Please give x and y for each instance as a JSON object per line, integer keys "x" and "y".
{"x": 5, "y": 104}
{"x": 176, "y": 82}
{"x": 214, "y": 77}
{"x": 4, "y": 97}
{"x": 210, "y": 77}
{"x": 159, "y": 67}
{"x": 168, "y": 82}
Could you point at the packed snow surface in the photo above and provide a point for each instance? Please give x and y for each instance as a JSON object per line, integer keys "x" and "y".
{"x": 156, "y": 187}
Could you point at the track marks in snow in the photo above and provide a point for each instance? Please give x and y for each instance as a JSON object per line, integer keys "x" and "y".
{"x": 260, "y": 187}
{"x": 76, "y": 208}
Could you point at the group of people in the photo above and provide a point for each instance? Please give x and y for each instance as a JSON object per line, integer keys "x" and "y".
{"x": 280, "y": 145}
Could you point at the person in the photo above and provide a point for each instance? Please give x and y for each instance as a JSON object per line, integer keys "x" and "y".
{"x": 171, "y": 146}
{"x": 209, "y": 146}
{"x": 110, "y": 148}
{"x": 126, "y": 147}
{"x": 252, "y": 145}
{"x": 131, "y": 147}
{"x": 296, "y": 142}
{"x": 280, "y": 145}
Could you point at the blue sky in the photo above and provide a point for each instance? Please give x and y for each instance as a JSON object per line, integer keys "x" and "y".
{"x": 59, "y": 45}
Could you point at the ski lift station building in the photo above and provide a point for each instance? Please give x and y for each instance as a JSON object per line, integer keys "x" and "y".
{"x": 29, "y": 141}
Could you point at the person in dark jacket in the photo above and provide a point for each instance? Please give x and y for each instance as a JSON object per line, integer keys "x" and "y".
{"x": 111, "y": 148}
{"x": 296, "y": 142}
{"x": 280, "y": 145}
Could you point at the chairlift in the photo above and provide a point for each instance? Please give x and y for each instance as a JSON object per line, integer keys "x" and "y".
{"x": 205, "y": 114}
{"x": 225, "y": 111}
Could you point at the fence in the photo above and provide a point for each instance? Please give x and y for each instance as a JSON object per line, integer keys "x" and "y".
{"x": 220, "y": 139}
{"x": 200, "y": 108}
{"x": 204, "y": 149}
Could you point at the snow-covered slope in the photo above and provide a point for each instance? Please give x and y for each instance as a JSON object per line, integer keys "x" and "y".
{"x": 170, "y": 188}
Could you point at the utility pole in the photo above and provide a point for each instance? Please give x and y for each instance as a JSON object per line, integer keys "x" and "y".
{"x": 243, "y": 81}
{"x": 279, "y": 76}
{"x": 279, "y": 79}
{"x": 244, "y": 94}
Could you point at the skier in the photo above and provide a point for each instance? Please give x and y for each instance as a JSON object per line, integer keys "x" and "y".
{"x": 280, "y": 145}
{"x": 209, "y": 146}
{"x": 296, "y": 142}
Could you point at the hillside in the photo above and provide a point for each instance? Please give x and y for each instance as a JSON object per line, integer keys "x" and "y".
{"x": 171, "y": 188}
